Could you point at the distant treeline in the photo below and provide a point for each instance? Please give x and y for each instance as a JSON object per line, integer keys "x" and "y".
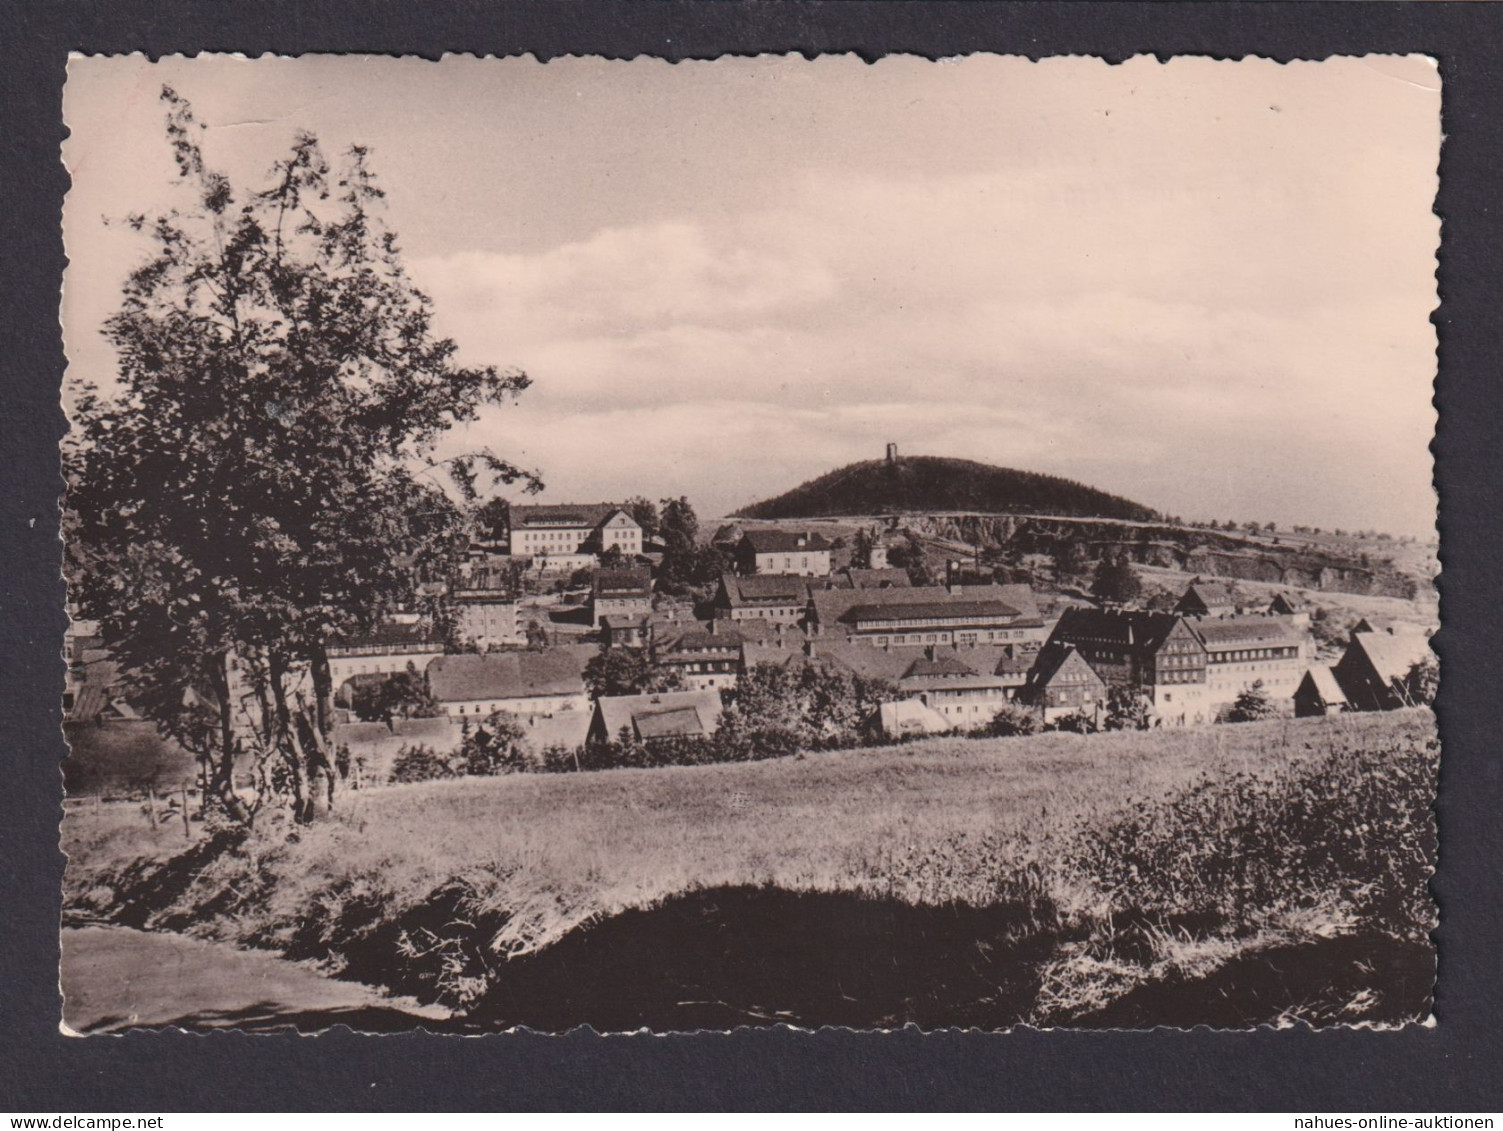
{"x": 932, "y": 483}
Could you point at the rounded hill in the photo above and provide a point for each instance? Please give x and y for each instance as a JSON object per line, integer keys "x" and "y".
{"x": 933, "y": 483}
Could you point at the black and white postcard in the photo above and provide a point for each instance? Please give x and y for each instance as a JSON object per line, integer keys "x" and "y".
{"x": 749, "y": 542}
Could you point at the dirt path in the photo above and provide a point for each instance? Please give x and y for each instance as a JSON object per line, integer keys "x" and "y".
{"x": 116, "y": 978}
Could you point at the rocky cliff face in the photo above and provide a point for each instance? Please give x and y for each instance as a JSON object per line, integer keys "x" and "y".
{"x": 1204, "y": 552}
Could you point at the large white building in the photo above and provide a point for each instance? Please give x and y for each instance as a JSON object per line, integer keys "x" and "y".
{"x": 799, "y": 552}
{"x": 567, "y": 529}
{"x": 488, "y": 619}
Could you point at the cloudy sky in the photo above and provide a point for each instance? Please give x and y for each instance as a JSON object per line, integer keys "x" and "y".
{"x": 1204, "y": 285}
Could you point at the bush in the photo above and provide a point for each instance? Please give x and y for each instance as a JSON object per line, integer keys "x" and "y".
{"x": 1355, "y": 827}
{"x": 1012, "y": 719}
{"x": 1076, "y": 722}
{"x": 1251, "y": 705}
{"x": 1126, "y": 709}
{"x": 1422, "y": 682}
{"x": 496, "y": 746}
{"x": 419, "y": 763}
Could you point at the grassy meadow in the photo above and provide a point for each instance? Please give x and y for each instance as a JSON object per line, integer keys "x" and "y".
{"x": 1140, "y": 856}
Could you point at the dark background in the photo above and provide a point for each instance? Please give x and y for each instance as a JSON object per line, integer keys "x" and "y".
{"x": 1455, "y": 1066}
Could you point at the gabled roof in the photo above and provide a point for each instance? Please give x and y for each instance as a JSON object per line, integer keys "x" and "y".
{"x": 1210, "y": 594}
{"x": 1323, "y": 680}
{"x": 942, "y": 664}
{"x": 667, "y": 714}
{"x": 566, "y": 515}
{"x": 785, "y": 541}
{"x": 509, "y": 675}
{"x": 617, "y": 583}
{"x": 1392, "y": 654}
{"x": 1054, "y": 658}
{"x": 893, "y": 578}
{"x": 1287, "y": 602}
{"x": 768, "y": 588}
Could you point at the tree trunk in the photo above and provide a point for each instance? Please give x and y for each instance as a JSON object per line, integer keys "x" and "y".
{"x": 323, "y": 716}
{"x": 287, "y": 741}
{"x": 220, "y": 780}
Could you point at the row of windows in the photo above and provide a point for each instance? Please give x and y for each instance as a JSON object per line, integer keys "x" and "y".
{"x": 1183, "y": 660}
{"x": 385, "y": 650}
{"x": 1182, "y": 677}
{"x": 928, "y": 622}
{"x": 968, "y": 693}
{"x": 944, "y": 637}
{"x": 1254, "y": 654}
{"x": 767, "y": 561}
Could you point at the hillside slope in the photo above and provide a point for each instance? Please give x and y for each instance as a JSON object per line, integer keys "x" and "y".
{"x": 934, "y": 483}
{"x": 1047, "y": 880}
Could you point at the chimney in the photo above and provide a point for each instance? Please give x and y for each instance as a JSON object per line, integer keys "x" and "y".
{"x": 892, "y": 454}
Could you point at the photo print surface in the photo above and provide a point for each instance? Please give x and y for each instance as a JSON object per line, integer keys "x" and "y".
{"x": 760, "y": 541}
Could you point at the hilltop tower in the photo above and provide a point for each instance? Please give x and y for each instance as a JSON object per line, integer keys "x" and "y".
{"x": 892, "y": 454}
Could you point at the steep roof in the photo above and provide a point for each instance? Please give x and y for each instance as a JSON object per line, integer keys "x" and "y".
{"x": 1287, "y": 602}
{"x": 509, "y": 675}
{"x": 667, "y": 714}
{"x": 567, "y": 515}
{"x": 1323, "y": 680}
{"x": 1209, "y": 594}
{"x": 1054, "y": 658}
{"x": 1392, "y": 654}
{"x": 785, "y": 541}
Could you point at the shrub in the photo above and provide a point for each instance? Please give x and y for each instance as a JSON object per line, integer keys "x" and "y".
{"x": 420, "y": 763}
{"x": 1422, "y": 681}
{"x": 1076, "y": 722}
{"x": 1010, "y": 720}
{"x": 496, "y": 746}
{"x": 1354, "y": 828}
{"x": 1251, "y": 705}
{"x": 1126, "y": 709}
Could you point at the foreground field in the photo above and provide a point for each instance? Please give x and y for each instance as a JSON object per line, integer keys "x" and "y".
{"x": 1047, "y": 879}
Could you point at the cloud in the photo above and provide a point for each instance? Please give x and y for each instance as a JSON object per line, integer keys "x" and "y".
{"x": 1203, "y": 284}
